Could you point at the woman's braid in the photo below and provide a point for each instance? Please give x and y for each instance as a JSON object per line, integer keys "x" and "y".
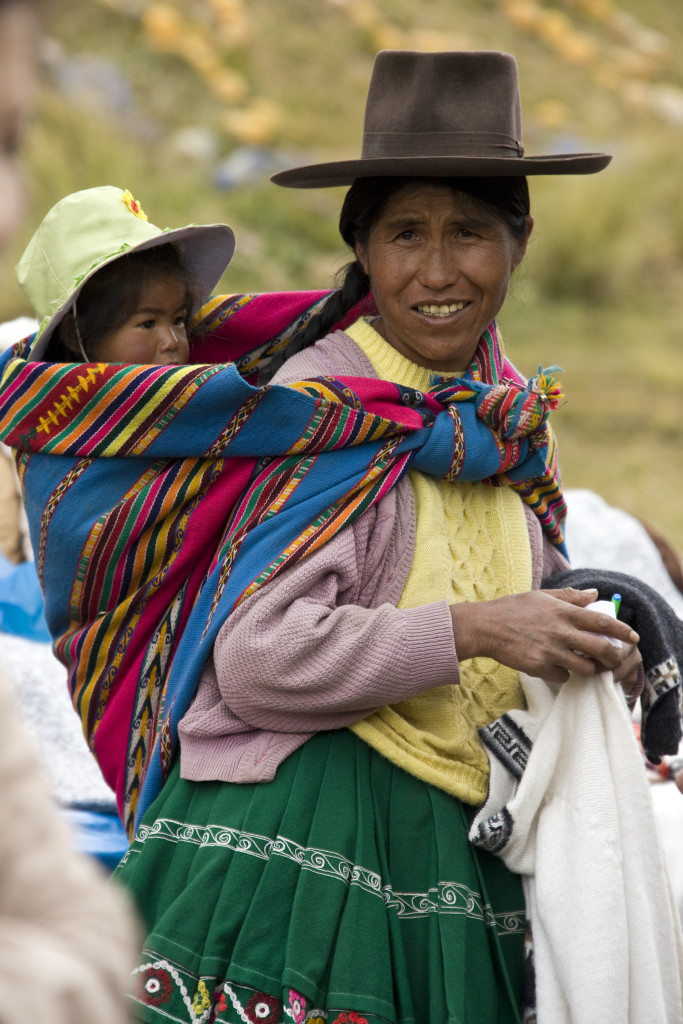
{"x": 354, "y": 285}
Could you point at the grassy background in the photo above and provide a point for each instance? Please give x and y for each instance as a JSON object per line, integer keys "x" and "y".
{"x": 601, "y": 290}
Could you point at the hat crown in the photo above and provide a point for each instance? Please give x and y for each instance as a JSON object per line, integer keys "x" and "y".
{"x": 80, "y": 232}
{"x": 448, "y": 102}
{"x": 441, "y": 115}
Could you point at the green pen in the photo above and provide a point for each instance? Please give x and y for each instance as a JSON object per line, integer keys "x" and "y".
{"x": 616, "y": 601}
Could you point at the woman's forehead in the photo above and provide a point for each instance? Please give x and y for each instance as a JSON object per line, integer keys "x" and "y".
{"x": 418, "y": 199}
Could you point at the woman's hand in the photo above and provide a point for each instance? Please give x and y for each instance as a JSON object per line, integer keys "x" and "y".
{"x": 540, "y": 633}
{"x": 626, "y": 672}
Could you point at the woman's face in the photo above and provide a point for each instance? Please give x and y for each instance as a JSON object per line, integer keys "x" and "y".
{"x": 18, "y": 45}
{"x": 440, "y": 267}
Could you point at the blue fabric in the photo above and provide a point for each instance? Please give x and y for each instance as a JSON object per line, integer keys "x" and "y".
{"x": 21, "y": 601}
{"x": 98, "y": 834}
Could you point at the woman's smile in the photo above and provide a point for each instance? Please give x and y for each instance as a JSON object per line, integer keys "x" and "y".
{"x": 445, "y": 309}
{"x": 440, "y": 266}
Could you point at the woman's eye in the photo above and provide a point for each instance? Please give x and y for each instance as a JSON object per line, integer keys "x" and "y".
{"x": 407, "y": 235}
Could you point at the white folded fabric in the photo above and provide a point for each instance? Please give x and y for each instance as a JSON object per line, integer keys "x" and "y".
{"x": 570, "y": 809}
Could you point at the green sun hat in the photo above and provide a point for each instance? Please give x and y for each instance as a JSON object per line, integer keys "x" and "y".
{"x": 88, "y": 229}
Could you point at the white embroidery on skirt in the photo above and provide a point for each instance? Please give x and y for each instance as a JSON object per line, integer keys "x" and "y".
{"x": 445, "y": 898}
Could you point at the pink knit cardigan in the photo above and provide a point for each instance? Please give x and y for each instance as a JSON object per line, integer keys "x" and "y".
{"x": 324, "y": 645}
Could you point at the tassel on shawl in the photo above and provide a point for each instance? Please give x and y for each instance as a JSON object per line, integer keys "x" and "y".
{"x": 512, "y": 409}
{"x": 545, "y": 385}
{"x": 515, "y": 411}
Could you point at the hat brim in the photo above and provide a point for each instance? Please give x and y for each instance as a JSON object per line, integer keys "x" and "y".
{"x": 345, "y": 172}
{"x": 208, "y": 250}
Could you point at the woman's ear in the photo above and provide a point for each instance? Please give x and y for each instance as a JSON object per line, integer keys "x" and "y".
{"x": 361, "y": 256}
{"x": 522, "y": 245}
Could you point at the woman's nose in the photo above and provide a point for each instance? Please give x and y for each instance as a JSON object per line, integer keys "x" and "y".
{"x": 437, "y": 269}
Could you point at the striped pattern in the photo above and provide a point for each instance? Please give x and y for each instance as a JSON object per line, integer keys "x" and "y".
{"x": 178, "y": 492}
{"x": 95, "y": 410}
{"x": 381, "y": 475}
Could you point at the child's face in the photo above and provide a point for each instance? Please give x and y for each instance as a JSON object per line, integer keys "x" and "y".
{"x": 156, "y": 333}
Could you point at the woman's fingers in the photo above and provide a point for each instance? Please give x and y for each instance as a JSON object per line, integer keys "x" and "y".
{"x": 570, "y": 595}
{"x": 545, "y": 633}
{"x": 594, "y": 627}
{"x": 627, "y": 670}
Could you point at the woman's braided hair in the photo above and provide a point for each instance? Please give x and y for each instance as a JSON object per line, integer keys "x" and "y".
{"x": 364, "y": 204}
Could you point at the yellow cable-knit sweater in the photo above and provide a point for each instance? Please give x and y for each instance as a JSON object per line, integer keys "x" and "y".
{"x": 472, "y": 544}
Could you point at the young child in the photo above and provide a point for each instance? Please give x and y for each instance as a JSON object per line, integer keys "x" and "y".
{"x": 108, "y": 286}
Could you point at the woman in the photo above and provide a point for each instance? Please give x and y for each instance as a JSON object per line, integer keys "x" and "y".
{"x": 308, "y": 859}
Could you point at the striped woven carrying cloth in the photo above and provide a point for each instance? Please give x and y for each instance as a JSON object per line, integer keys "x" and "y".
{"x": 159, "y": 498}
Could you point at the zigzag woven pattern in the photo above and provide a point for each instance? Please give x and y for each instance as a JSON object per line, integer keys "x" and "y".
{"x": 160, "y": 498}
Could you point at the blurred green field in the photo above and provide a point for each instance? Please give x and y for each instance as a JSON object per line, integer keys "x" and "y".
{"x": 601, "y": 290}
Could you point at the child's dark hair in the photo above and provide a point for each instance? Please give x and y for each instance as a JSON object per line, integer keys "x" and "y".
{"x": 112, "y": 295}
{"x": 365, "y": 202}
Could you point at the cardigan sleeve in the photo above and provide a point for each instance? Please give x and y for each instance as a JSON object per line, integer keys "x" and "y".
{"x": 305, "y": 654}
{"x": 553, "y": 559}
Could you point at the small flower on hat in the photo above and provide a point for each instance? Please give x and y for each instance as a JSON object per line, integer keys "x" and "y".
{"x": 133, "y": 205}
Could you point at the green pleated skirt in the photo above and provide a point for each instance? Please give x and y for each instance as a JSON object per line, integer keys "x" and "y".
{"x": 344, "y": 891}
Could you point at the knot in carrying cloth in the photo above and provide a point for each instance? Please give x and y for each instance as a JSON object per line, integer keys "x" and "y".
{"x": 486, "y": 430}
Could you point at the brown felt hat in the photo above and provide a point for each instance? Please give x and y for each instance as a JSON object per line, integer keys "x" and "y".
{"x": 450, "y": 114}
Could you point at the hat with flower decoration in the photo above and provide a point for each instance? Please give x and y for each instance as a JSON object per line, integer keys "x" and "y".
{"x": 447, "y": 114}
{"x": 88, "y": 229}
